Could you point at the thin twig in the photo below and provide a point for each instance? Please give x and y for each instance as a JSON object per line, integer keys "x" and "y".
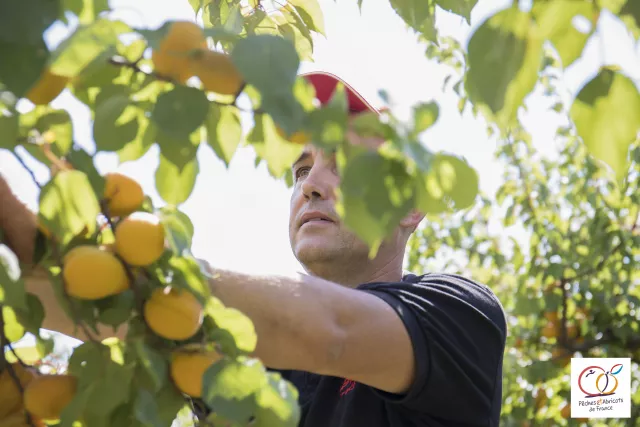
{"x": 24, "y": 165}
{"x": 4, "y": 364}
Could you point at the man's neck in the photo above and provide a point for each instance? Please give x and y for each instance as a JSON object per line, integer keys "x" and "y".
{"x": 353, "y": 274}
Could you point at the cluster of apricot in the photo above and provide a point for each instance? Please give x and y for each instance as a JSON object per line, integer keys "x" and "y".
{"x": 38, "y": 398}
{"x": 93, "y": 273}
{"x": 182, "y": 53}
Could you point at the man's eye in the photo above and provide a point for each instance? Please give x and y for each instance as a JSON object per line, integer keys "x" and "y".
{"x": 302, "y": 171}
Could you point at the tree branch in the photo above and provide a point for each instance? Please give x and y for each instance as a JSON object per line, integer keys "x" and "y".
{"x": 134, "y": 66}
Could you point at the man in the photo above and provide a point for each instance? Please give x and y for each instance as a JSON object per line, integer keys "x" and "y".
{"x": 365, "y": 344}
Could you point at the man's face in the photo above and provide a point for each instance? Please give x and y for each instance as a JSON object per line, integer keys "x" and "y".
{"x": 315, "y": 232}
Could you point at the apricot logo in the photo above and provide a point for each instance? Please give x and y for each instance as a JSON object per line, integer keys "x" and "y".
{"x": 596, "y": 381}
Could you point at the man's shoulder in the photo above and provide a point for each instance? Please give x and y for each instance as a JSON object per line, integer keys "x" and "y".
{"x": 434, "y": 286}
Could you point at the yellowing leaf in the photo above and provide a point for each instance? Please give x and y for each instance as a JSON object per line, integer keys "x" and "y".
{"x": 505, "y": 53}
{"x": 311, "y": 14}
{"x": 556, "y": 20}
{"x": 606, "y": 113}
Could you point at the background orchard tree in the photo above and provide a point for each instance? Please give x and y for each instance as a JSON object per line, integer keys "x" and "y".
{"x": 189, "y": 86}
{"x": 558, "y": 243}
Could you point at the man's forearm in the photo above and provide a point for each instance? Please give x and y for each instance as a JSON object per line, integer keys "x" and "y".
{"x": 297, "y": 320}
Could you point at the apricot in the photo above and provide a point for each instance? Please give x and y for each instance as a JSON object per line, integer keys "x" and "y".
{"x": 550, "y": 330}
{"x": 139, "y": 239}
{"x": 19, "y": 419}
{"x": 173, "y": 314}
{"x": 217, "y": 72}
{"x": 92, "y": 273}
{"x": 551, "y": 316}
{"x": 187, "y": 368}
{"x": 172, "y": 58}
{"x": 10, "y": 396}
{"x": 47, "y": 88}
{"x": 47, "y": 395}
{"x": 123, "y": 194}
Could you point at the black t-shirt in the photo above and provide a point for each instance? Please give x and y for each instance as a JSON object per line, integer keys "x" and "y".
{"x": 458, "y": 330}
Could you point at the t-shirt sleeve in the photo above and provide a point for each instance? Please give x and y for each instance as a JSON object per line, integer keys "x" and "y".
{"x": 458, "y": 331}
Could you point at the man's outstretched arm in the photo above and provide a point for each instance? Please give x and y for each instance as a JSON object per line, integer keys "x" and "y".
{"x": 314, "y": 325}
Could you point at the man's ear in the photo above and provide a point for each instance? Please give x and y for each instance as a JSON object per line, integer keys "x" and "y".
{"x": 412, "y": 219}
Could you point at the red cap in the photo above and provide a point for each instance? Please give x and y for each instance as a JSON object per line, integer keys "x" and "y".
{"x": 325, "y": 84}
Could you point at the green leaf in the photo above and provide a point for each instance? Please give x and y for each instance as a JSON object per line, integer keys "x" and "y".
{"x": 59, "y": 123}
{"x": 222, "y": 35}
{"x": 68, "y": 205}
{"x": 180, "y": 111}
{"x": 22, "y": 64}
{"x": 302, "y": 42}
{"x": 376, "y": 192}
{"x": 179, "y": 151}
{"x": 630, "y": 15}
{"x": 146, "y": 409}
{"x": 606, "y": 113}
{"x": 450, "y": 184}
{"x": 505, "y": 53}
{"x": 8, "y": 130}
{"x": 116, "y": 122}
{"x": 31, "y": 316}
{"x": 197, "y": 4}
{"x": 169, "y": 401}
{"x": 155, "y": 366}
{"x": 176, "y": 184}
{"x": 188, "y": 273}
{"x": 83, "y": 162}
{"x": 12, "y": 291}
{"x": 311, "y": 13}
{"x": 555, "y": 19}
{"x": 424, "y": 116}
{"x": 74, "y": 410}
{"x": 229, "y": 386}
{"x": 419, "y": 15}
{"x": 141, "y": 144}
{"x": 88, "y": 362}
{"x": 277, "y": 403}
{"x": 111, "y": 390}
{"x": 270, "y": 64}
{"x": 178, "y": 227}
{"x": 459, "y": 7}
{"x": 278, "y": 153}
{"x": 117, "y": 309}
{"x": 238, "y": 325}
{"x": 224, "y": 131}
{"x": 86, "y": 10}
{"x": 81, "y": 48}
{"x": 23, "y": 22}
{"x": 13, "y": 330}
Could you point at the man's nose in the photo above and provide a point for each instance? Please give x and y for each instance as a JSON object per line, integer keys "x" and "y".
{"x": 317, "y": 184}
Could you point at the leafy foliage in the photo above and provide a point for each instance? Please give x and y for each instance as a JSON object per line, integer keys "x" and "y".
{"x": 142, "y": 90}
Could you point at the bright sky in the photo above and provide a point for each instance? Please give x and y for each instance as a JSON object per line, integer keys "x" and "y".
{"x": 240, "y": 214}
